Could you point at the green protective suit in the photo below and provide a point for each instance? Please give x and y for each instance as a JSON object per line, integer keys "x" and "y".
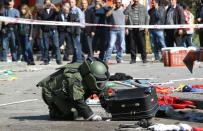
{"x": 64, "y": 92}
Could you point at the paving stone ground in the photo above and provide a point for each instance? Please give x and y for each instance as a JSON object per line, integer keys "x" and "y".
{"x": 33, "y": 116}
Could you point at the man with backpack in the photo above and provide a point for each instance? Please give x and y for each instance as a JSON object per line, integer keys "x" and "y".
{"x": 66, "y": 90}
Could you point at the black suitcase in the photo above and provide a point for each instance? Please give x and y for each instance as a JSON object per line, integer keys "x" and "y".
{"x": 133, "y": 104}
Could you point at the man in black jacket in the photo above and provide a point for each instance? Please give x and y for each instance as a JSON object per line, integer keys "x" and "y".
{"x": 87, "y": 32}
{"x": 174, "y": 16}
{"x": 49, "y": 13}
{"x": 64, "y": 31}
{"x": 100, "y": 38}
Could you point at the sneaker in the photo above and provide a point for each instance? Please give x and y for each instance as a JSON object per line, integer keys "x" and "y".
{"x": 133, "y": 61}
{"x": 8, "y": 61}
{"x": 59, "y": 62}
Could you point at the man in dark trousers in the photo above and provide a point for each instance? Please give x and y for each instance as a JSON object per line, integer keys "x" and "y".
{"x": 49, "y": 13}
{"x": 101, "y": 33}
{"x": 137, "y": 15}
{"x": 87, "y": 32}
{"x": 174, "y": 16}
{"x": 8, "y": 30}
{"x": 63, "y": 30}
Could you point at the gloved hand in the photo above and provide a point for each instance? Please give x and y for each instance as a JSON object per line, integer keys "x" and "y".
{"x": 95, "y": 118}
{"x": 162, "y": 127}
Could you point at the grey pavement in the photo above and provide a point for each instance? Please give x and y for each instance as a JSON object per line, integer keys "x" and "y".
{"x": 33, "y": 115}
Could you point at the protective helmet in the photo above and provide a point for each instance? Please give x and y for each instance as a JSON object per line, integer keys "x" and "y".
{"x": 95, "y": 74}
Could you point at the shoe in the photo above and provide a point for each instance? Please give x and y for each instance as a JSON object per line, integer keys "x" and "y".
{"x": 132, "y": 61}
{"x": 45, "y": 63}
{"x": 59, "y": 62}
{"x": 120, "y": 61}
{"x": 156, "y": 61}
{"x": 31, "y": 63}
{"x": 144, "y": 61}
{"x": 66, "y": 59}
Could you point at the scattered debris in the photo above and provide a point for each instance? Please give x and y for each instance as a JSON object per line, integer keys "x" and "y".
{"x": 8, "y": 79}
{"x": 173, "y": 81}
{"x": 190, "y": 88}
{"x": 93, "y": 100}
{"x": 194, "y": 115}
{"x": 174, "y": 102}
{"x": 7, "y": 75}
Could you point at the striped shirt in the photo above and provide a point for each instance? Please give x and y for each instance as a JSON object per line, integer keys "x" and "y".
{"x": 135, "y": 17}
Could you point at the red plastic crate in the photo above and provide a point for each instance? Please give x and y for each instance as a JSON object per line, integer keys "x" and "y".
{"x": 173, "y": 57}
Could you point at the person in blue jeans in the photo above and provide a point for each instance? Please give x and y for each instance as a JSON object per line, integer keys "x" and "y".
{"x": 117, "y": 34}
{"x": 157, "y": 17}
{"x": 8, "y": 30}
{"x": 1, "y": 14}
{"x": 49, "y": 32}
{"x": 25, "y": 34}
{"x": 76, "y": 15}
{"x": 157, "y": 40}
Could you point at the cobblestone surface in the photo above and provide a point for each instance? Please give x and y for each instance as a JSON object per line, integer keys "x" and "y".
{"x": 33, "y": 115}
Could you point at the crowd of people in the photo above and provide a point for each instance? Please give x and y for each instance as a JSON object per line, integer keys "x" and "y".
{"x": 19, "y": 39}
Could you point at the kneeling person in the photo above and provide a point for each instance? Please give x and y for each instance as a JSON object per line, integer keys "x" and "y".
{"x": 66, "y": 90}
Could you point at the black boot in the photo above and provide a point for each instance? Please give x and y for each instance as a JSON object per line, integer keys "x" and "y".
{"x": 133, "y": 61}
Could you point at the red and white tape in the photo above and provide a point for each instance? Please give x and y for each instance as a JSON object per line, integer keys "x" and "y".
{"x": 58, "y": 23}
